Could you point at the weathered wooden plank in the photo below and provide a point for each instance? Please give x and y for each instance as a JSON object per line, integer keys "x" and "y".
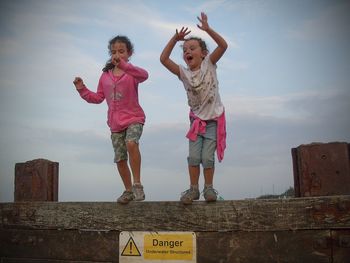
{"x": 329, "y": 212}
{"x": 30, "y": 260}
{"x": 212, "y": 247}
{"x": 36, "y": 180}
{"x": 321, "y": 169}
{"x": 265, "y": 247}
{"x": 74, "y": 245}
{"x": 341, "y": 245}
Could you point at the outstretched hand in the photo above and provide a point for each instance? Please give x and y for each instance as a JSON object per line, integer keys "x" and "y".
{"x": 78, "y": 82}
{"x": 204, "y": 20}
{"x": 180, "y": 36}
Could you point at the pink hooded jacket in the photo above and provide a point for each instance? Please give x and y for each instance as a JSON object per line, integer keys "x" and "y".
{"x": 121, "y": 94}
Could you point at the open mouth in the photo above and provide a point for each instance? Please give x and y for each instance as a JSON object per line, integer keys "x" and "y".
{"x": 189, "y": 58}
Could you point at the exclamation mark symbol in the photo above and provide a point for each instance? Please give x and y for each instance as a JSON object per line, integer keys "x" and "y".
{"x": 130, "y": 247}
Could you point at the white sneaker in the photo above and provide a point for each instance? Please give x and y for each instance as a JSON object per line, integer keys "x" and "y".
{"x": 126, "y": 197}
{"x": 138, "y": 192}
{"x": 189, "y": 195}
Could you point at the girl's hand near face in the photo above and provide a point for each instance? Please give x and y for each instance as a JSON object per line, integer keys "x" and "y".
{"x": 116, "y": 61}
{"x": 79, "y": 83}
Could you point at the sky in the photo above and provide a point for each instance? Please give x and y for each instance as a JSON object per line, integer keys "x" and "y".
{"x": 284, "y": 81}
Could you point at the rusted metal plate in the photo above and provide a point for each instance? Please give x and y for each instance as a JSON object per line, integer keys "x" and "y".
{"x": 321, "y": 169}
{"x": 36, "y": 180}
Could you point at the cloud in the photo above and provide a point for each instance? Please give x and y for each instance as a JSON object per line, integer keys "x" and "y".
{"x": 257, "y": 159}
{"x": 330, "y": 23}
{"x": 295, "y": 106}
{"x": 207, "y": 7}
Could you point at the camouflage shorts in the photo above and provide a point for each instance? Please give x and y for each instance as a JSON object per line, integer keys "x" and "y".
{"x": 119, "y": 139}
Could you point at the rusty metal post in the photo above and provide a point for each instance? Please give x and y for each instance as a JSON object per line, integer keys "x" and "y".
{"x": 36, "y": 180}
{"x": 321, "y": 169}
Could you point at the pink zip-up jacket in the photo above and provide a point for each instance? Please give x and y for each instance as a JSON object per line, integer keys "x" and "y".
{"x": 121, "y": 94}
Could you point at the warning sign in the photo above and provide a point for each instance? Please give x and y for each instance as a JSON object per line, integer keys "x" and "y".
{"x": 168, "y": 246}
{"x": 171, "y": 247}
{"x": 131, "y": 249}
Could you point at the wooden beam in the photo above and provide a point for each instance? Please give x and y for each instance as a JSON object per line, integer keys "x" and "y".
{"x": 95, "y": 246}
{"x": 315, "y": 229}
{"x": 331, "y": 212}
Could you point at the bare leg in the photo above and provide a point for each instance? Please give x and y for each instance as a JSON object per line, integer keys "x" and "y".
{"x": 135, "y": 160}
{"x": 192, "y": 193}
{"x": 208, "y": 175}
{"x": 210, "y": 195}
{"x": 124, "y": 172}
{"x": 194, "y": 172}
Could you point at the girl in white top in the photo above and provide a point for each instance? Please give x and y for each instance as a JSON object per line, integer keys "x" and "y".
{"x": 207, "y": 110}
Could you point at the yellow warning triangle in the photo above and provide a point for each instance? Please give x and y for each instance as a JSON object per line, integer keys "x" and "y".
{"x": 131, "y": 249}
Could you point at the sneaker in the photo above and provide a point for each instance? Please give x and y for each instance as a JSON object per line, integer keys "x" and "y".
{"x": 139, "y": 194}
{"x": 189, "y": 195}
{"x": 126, "y": 197}
{"x": 210, "y": 194}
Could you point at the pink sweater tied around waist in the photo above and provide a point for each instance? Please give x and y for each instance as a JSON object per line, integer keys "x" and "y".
{"x": 199, "y": 127}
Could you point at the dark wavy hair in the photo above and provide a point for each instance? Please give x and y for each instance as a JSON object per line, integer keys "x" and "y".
{"x": 201, "y": 42}
{"x": 122, "y": 39}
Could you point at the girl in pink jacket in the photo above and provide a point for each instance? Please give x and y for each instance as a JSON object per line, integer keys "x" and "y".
{"x": 118, "y": 85}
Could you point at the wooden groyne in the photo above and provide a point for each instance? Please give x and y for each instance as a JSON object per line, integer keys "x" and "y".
{"x": 314, "y": 229}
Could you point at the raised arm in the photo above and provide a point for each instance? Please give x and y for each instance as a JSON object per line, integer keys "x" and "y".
{"x": 220, "y": 41}
{"x": 165, "y": 56}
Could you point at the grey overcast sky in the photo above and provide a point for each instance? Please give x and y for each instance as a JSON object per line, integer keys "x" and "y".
{"x": 284, "y": 81}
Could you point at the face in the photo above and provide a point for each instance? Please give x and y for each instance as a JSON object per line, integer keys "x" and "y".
{"x": 193, "y": 54}
{"x": 119, "y": 51}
